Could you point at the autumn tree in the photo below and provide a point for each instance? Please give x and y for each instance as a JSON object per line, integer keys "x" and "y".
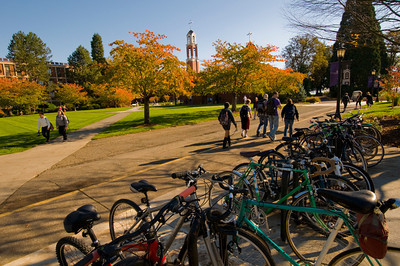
{"x": 145, "y": 69}
{"x": 21, "y": 95}
{"x": 30, "y": 55}
{"x": 235, "y": 69}
{"x": 391, "y": 84}
{"x": 71, "y": 95}
{"x": 106, "y": 95}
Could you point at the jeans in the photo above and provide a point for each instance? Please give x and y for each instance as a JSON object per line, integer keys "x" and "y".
{"x": 62, "y": 131}
{"x": 263, "y": 121}
{"x": 288, "y": 126}
{"x": 46, "y": 133}
{"x": 273, "y": 125}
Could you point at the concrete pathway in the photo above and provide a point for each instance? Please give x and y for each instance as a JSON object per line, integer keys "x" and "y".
{"x": 18, "y": 168}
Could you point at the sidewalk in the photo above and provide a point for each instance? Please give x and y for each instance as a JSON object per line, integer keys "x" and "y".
{"x": 18, "y": 168}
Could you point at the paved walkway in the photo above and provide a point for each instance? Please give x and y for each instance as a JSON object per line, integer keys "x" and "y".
{"x": 18, "y": 168}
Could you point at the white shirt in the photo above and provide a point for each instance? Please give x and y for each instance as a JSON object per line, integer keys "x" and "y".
{"x": 43, "y": 122}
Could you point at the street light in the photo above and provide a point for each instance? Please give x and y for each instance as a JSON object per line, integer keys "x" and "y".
{"x": 340, "y": 55}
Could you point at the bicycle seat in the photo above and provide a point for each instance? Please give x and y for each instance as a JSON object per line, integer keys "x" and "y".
{"x": 287, "y": 139}
{"x": 142, "y": 186}
{"x": 363, "y": 201}
{"x": 82, "y": 218}
{"x": 249, "y": 154}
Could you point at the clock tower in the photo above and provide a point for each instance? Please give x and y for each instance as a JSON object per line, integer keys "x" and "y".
{"x": 191, "y": 50}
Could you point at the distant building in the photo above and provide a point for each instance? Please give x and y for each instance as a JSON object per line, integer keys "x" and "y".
{"x": 191, "y": 50}
{"x": 57, "y": 71}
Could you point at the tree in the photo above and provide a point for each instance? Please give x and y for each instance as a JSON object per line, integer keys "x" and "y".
{"x": 236, "y": 69}
{"x": 306, "y": 54}
{"x": 366, "y": 51}
{"x": 21, "y": 95}
{"x": 81, "y": 70}
{"x": 30, "y": 55}
{"x": 319, "y": 17}
{"x": 144, "y": 69}
{"x": 71, "y": 95}
{"x": 391, "y": 83}
{"x": 106, "y": 95}
{"x": 97, "y": 49}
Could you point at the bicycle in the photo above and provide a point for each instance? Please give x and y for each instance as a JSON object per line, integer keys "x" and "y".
{"x": 357, "y": 201}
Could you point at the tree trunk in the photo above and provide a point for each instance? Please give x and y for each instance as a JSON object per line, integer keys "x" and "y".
{"x": 146, "y": 111}
{"x": 234, "y": 101}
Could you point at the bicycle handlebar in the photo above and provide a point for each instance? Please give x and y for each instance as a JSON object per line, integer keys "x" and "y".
{"x": 327, "y": 161}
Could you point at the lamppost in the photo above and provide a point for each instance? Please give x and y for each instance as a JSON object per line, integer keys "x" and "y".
{"x": 340, "y": 55}
{"x": 375, "y": 85}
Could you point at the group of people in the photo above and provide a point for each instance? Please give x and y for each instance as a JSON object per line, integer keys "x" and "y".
{"x": 45, "y": 125}
{"x": 368, "y": 99}
{"x": 267, "y": 111}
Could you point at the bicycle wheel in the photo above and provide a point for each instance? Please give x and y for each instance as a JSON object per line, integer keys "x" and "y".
{"x": 70, "y": 250}
{"x": 307, "y": 233}
{"x": 248, "y": 249}
{"x": 356, "y": 257}
{"x": 368, "y": 129}
{"x": 355, "y": 156}
{"x": 372, "y": 149}
{"x": 270, "y": 157}
{"x": 124, "y": 218}
{"x": 291, "y": 150}
{"x": 360, "y": 178}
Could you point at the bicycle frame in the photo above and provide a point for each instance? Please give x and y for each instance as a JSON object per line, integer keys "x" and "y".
{"x": 343, "y": 218}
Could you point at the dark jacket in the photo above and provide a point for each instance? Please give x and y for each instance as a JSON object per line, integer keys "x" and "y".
{"x": 230, "y": 115}
{"x": 290, "y": 112}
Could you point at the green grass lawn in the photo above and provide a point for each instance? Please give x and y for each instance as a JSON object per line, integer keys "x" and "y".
{"x": 19, "y": 133}
{"x": 162, "y": 117}
{"x": 379, "y": 110}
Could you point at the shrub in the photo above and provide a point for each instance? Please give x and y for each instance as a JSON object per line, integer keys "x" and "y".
{"x": 313, "y": 99}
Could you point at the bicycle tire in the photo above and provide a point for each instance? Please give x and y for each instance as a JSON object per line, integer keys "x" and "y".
{"x": 372, "y": 149}
{"x": 70, "y": 250}
{"x": 355, "y": 256}
{"x": 252, "y": 250}
{"x": 354, "y": 155}
{"x": 368, "y": 129}
{"x": 262, "y": 185}
{"x": 359, "y": 177}
{"x": 218, "y": 196}
{"x": 291, "y": 150}
{"x": 123, "y": 215}
{"x": 307, "y": 237}
{"x": 270, "y": 157}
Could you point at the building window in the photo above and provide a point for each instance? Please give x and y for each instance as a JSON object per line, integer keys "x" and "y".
{"x": 7, "y": 70}
{"x": 1, "y": 70}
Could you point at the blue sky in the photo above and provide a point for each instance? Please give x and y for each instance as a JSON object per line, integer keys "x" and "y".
{"x": 64, "y": 25}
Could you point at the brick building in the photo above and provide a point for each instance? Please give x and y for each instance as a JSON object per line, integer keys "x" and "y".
{"x": 57, "y": 71}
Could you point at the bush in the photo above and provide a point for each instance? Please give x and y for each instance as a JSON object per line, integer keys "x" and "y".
{"x": 2, "y": 114}
{"x": 51, "y": 108}
{"x": 313, "y": 99}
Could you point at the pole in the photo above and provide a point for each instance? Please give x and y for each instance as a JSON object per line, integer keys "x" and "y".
{"x": 337, "y": 114}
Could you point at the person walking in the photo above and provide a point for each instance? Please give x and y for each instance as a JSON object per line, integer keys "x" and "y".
{"x": 345, "y": 100}
{"x": 273, "y": 105}
{"x": 358, "y": 100}
{"x": 245, "y": 115}
{"x": 261, "y": 106}
{"x": 369, "y": 99}
{"x": 62, "y": 124}
{"x": 255, "y": 107}
{"x": 225, "y": 118}
{"x": 289, "y": 113}
{"x": 45, "y": 125}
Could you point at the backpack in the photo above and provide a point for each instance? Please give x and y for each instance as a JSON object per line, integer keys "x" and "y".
{"x": 271, "y": 108}
{"x": 224, "y": 118}
{"x": 290, "y": 112}
{"x": 244, "y": 111}
{"x": 373, "y": 233}
{"x": 260, "y": 106}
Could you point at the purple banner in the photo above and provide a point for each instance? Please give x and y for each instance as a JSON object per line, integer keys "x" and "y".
{"x": 370, "y": 82}
{"x": 334, "y": 74}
